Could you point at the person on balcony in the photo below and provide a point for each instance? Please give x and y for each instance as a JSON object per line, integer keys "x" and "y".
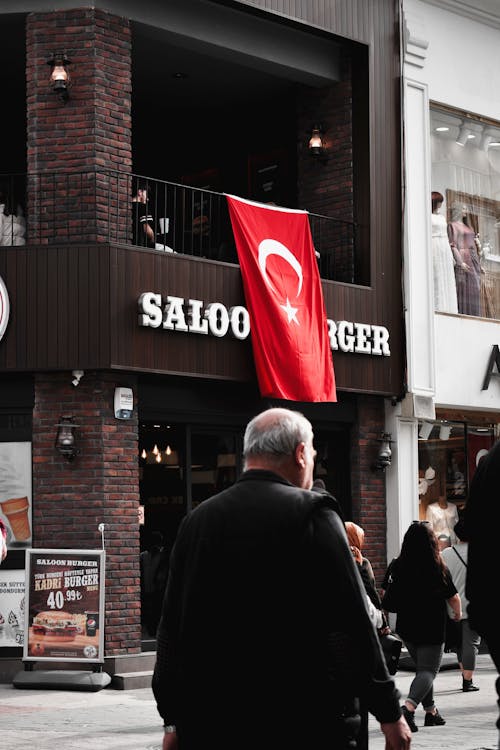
{"x": 143, "y": 232}
{"x": 12, "y": 221}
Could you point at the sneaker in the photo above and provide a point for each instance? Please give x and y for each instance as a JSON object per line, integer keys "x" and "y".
{"x": 433, "y": 720}
{"x": 410, "y": 718}
{"x": 468, "y": 686}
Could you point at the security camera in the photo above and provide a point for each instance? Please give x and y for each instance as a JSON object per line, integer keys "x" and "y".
{"x": 77, "y": 376}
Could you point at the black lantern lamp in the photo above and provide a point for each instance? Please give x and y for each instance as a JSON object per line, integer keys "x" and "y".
{"x": 59, "y": 75}
{"x": 316, "y": 145}
{"x": 65, "y": 440}
{"x": 384, "y": 455}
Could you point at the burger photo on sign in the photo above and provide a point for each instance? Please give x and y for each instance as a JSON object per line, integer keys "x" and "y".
{"x": 61, "y": 625}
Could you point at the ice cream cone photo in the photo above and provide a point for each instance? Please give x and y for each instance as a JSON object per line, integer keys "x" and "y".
{"x": 16, "y": 512}
{"x": 15, "y": 491}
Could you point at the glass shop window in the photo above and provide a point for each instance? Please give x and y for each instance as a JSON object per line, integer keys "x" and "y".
{"x": 448, "y": 454}
{"x": 179, "y": 467}
{"x": 465, "y": 200}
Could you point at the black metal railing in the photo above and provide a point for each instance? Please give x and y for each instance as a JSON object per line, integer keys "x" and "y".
{"x": 102, "y": 206}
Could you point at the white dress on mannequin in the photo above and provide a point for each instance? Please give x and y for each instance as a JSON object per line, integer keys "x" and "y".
{"x": 445, "y": 288}
{"x": 443, "y": 520}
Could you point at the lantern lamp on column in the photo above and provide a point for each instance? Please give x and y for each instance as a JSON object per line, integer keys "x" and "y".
{"x": 316, "y": 142}
{"x": 59, "y": 75}
{"x": 384, "y": 455}
{"x": 65, "y": 440}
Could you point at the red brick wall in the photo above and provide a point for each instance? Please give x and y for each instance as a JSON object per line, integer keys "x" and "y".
{"x": 368, "y": 486}
{"x": 86, "y": 135}
{"x": 101, "y": 485}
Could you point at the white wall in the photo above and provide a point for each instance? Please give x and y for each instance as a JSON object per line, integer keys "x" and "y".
{"x": 462, "y": 66}
{"x": 462, "y": 359}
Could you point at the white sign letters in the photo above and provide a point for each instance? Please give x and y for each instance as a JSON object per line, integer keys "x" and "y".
{"x": 192, "y": 316}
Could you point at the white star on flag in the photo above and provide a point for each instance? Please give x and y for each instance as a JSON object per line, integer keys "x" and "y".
{"x": 290, "y": 311}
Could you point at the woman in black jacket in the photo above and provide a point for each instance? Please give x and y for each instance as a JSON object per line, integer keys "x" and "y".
{"x": 417, "y": 585}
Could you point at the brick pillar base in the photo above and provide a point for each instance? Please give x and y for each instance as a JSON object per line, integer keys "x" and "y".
{"x": 101, "y": 485}
{"x": 368, "y": 486}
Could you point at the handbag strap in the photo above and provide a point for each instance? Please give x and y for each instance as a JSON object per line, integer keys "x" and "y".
{"x": 459, "y": 555}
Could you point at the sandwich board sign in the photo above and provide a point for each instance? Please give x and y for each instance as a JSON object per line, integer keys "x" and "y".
{"x": 64, "y": 606}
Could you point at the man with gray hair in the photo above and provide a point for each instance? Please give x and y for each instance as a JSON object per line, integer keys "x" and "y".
{"x": 262, "y": 589}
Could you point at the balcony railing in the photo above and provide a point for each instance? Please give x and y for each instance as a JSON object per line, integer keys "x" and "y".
{"x": 94, "y": 207}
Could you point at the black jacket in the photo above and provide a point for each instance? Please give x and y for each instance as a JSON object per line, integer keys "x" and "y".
{"x": 482, "y": 514}
{"x": 265, "y": 623}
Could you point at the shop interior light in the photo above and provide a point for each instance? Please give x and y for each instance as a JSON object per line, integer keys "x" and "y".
{"x": 463, "y": 136}
{"x": 425, "y": 430}
{"x": 490, "y": 138}
{"x": 445, "y": 432}
{"x": 169, "y": 457}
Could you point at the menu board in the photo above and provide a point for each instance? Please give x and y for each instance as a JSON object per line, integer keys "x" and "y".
{"x": 64, "y": 610}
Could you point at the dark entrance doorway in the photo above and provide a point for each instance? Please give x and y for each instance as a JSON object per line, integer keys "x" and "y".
{"x": 181, "y": 465}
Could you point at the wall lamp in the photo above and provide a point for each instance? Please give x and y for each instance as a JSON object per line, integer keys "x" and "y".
{"x": 59, "y": 75}
{"x": 316, "y": 145}
{"x": 384, "y": 455}
{"x": 65, "y": 440}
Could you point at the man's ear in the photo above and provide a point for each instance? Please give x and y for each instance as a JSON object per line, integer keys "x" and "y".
{"x": 299, "y": 455}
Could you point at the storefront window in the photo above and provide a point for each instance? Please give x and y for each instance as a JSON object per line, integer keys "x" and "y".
{"x": 448, "y": 454}
{"x": 465, "y": 152}
{"x": 180, "y": 466}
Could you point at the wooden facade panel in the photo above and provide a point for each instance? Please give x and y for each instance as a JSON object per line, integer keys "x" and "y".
{"x": 157, "y": 350}
{"x": 60, "y": 309}
{"x": 78, "y": 308}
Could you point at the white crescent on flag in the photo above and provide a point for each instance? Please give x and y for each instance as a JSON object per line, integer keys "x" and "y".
{"x": 273, "y": 247}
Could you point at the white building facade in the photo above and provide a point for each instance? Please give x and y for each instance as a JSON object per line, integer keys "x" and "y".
{"x": 451, "y": 272}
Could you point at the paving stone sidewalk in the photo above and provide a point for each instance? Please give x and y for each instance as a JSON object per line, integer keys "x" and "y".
{"x": 470, "y": 717}
{"x": 128, "y": 720}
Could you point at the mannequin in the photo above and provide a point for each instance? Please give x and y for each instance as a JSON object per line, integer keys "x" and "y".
{"x": 443, "y": 516}
{"x": 12, "y": 221}
{"x": 445, "y": 288}
{"x": 467, "y": 270}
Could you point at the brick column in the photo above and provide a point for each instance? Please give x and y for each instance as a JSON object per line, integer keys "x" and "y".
{"x": 368, "y": 486}
{"x": 79, "y": 151}
{"x": 101, "y": 485}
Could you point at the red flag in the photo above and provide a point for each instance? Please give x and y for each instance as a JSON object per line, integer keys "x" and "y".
{"x": 284, "y": 300}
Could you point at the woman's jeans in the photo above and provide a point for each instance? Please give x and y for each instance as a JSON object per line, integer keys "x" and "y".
{"x": 427, "y": 660}
{"x": 468, "y": 649}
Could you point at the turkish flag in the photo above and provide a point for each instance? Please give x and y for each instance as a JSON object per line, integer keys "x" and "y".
{"x": 284, "y": 298}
